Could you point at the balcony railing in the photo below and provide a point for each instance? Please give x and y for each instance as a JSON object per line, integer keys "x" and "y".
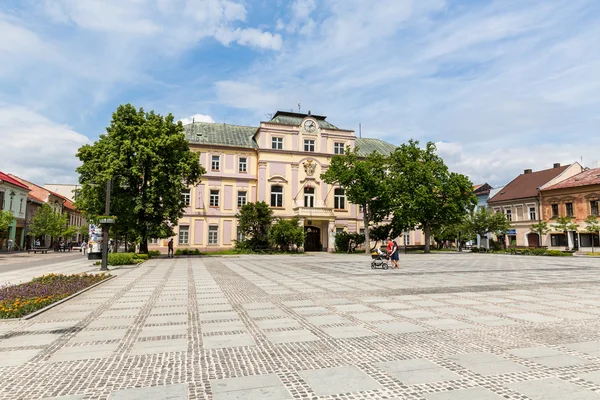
{"x": 314, "y": 212}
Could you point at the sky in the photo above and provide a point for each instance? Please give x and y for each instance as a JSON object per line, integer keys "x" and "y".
{"x": 499, "y": 86}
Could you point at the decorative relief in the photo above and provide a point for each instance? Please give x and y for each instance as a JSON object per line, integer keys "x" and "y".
{"x": 309, "y": 167}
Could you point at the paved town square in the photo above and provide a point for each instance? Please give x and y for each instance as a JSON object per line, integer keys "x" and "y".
{"x": 316, "y": 326}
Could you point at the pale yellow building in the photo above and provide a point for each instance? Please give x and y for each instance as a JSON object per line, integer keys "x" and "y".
{"x": 279, "y": 162}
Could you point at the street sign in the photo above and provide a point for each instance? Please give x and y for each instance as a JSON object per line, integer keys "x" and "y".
{"x": 511, "y": 232}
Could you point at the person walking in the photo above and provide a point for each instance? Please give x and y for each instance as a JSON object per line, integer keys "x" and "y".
{"x": 10, "y": 245}
{"x": 389, "y": 249}
{"x": 395, "y": 256}
{"x": 170, "y": 251}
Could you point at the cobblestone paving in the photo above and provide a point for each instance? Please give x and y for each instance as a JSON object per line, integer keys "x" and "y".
{"x": 444, "y": 327}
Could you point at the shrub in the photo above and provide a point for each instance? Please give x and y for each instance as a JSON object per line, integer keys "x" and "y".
{"x": 475, "y": 249}
{"x": 558, "y": 253}
{"x": 495, "y": 245}
{"x": 153, "y": 253}
{"x": 178, "y": 252}
{"x": 143, "y": 257}
{"x": 342, "y": 240}
{"x": 123, "y": 259}
{"x": 538, "y": 252}
{"x": 512, "y": 251}
{"x": 285, "y": 233}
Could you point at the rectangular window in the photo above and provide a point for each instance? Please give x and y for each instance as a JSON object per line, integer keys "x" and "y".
{"x": 216, "y": 163}
{"x": 339, "y": 199}
{"x": 153, "y": 241}
{"x": 509, "y": 215}
{"x": 593, "y": 207}
{"x": 309, "y": 145}
{"x": 21, "y": 206}
{"x": 339, "y": 230}
{"x": 532, "y": 213}
{"x": 559, "y": 240}
{"x": 569, "y": 209}
{"x": 242, "y": 200}
{"x": 1, "y": 200}
{"x": 338, "y": 148}
{"x": 243, "y": 165}
{"x": 309, "y": 197}
{"x": 554, "y": 210}
{"x": 406, "y": 238}
{"x": 184, "y": 234}
{"x": 185, "y": 196}
{"x": 240, "y": 235}
{"x": 213, "y": 234}
{"x": 214, "y": 198}
{"x": 276, "y": 196}
{"x": 362, "y": 231}
{"x": 277, "y": 143}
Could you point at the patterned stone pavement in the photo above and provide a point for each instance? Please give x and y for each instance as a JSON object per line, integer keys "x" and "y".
{"x": 444, "y": 327}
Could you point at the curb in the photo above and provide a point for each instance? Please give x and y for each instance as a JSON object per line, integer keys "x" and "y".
{"x": 50, "y": 306}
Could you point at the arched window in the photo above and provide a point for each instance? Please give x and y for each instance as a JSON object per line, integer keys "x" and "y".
{"x": 339, "y": 199}
{"x": 276, "y": 196}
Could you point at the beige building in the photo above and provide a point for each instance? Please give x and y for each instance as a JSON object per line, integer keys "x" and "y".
{"x": 280, "y": 162}
{"x": 520, "y": 201}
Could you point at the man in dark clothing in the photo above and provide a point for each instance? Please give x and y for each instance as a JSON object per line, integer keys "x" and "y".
{"x": 170, "y": 252}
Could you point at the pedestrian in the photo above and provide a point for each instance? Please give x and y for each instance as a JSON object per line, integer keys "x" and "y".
{"x": 395, "y": 256}
{"x": 170, "y": 251}
{"x": 10, "y": 245}
{"x": 37, "y": 243}
{"x": 389, "y": 249}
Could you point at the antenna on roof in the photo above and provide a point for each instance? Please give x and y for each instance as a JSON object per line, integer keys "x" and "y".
{"x": 193, "y": 119}
{"x": 359, "y": 130}
{"x": 298, "y": 105}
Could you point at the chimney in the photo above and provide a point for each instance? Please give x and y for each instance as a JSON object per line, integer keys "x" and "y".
{"x": 556, "y": 165}
{"x": 528, "y": 171}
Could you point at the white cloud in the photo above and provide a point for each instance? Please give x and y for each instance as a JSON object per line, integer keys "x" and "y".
{"x": 36, "y": 148}
{"x": 197, "y": 118}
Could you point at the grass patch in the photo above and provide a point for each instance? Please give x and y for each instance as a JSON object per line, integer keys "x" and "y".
{"x": 592, "y": 254}
{"x": 19, "y": 300}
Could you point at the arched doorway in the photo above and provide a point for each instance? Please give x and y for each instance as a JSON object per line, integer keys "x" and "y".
{"x": 313, "y": 239}
{"x": 533, "y": 239}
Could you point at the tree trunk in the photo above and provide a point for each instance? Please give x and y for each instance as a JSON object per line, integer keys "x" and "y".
{"x": 116, "y": 243}
{"x": 366, "y": 222}
{"x": 427, "y": 231}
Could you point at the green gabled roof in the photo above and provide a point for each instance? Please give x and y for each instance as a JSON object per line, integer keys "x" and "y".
{"x": 221, "y": 134}
{"x": 366, "y": 146}
{"x": 291, "y": 118}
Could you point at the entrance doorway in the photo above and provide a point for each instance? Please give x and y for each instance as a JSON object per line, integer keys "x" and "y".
{"x": 313, "y": 239}
{"x": 533, "y": 239}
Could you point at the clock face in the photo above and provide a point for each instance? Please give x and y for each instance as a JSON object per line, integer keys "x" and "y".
{"x": 310, "y": 126}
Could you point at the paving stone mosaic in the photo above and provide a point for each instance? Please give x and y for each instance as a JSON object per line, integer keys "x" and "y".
{"x": 318, "y": 326}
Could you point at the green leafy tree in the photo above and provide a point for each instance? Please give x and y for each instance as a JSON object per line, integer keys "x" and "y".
{"x": 565, "y": 224}
{"x": 347, "y": 242}
{"x": 286, "y": 233}
{"x": 365, "y": 184}
{"x": 380, "y": 233}
{"x": 47, "y": 222}
{"x": 148, "y": 160}
{"x": 6, "y": 218}
{"x": 482, "y": 221}
{"x": 542, "y": 229}
{"x": 426, "y": 193}
{"x": 592, "y": 227}
{"x": 254, "y": 222}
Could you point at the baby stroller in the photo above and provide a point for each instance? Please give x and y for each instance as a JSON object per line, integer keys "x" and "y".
{"x": 379, "y": 260}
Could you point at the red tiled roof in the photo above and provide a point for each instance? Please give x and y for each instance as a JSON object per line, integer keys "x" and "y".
{"x": 526, "y": 185}
{"x": 31, "y": 196}
{"x": 585, "y": 178}
{"x": 69, "y": 204}
{"x": 475, "y": 187}
{"x": 4, "y": 177}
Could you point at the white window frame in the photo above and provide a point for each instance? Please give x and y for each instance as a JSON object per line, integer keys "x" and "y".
{"x": 406, "y": 238}
{"x": 277, "y": 143}
{"x": 242, "y": 199}
{"x": 339, "y": 148}
{"x": 239, "y": 236}
{"x": 309, "y": 198}
{"x": 243, "y": 165}
{"x": 508, "y": 213}
{"x": 215, "y": 162}
{"x": 186, "y": 197}
{"x": 214, "y": 198}
{"x": 532, "y": 212}
{"x": 183, "y": 236}
{"x": 339, "y": 200}
{"x": 309, "y": 145}
{"x": 213, "y": 234}
{"x": 278, "y": 196}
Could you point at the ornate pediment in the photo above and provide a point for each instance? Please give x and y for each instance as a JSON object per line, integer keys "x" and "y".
{"x": 277, "y": 179}
{"x": 552, "y": 200}
{"x": 567, "y": 199}
{"x": 593, "y": 196}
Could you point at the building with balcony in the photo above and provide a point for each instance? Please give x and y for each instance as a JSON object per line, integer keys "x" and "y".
{"x": 520, "y": 201}
{"x": 13, "y": 198}
{"x": 577, "y": 197}
{"x": 279, "y": 162}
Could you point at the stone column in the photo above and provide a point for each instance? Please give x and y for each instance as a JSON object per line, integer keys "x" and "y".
{"x": 262, "y": 181}
{"x": 331, "y": 236}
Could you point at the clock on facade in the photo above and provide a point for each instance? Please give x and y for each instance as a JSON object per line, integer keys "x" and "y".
{"x": 310, "y": 126}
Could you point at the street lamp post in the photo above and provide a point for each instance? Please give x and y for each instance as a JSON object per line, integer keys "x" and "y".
{"x": 105, "y": 228}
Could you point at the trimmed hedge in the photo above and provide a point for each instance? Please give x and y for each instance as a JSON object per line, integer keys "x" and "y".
{"x": 153, "y": 253}
{"x": 126, "y": 258}
{"x": 187, "y": 252}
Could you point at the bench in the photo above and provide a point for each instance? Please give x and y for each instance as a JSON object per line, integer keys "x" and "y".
{"x": 41, "y": 249}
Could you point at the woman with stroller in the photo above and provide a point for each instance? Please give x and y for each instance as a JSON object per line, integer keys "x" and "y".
{"x": 394, "y": 256}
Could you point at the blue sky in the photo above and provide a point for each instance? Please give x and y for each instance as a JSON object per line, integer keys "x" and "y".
{"x": 500, "y": 86}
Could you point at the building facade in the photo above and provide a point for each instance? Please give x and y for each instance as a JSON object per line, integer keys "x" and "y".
{"x": 520, "y": 201}
{"x": 577, "y": 197}
{"x": 279, "y": 162}
{"x": 13, "y": 198}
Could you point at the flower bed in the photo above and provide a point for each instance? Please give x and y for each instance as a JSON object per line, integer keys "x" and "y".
{"x": 19, "y": 300}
